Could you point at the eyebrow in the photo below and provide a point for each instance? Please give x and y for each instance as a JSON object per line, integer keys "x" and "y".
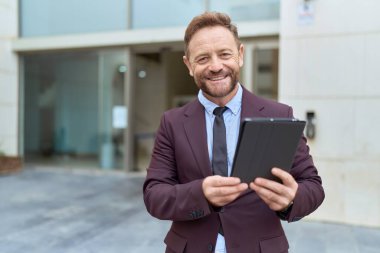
{"x": 226, "y": 50}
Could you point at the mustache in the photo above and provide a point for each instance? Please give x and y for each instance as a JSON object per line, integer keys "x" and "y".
{"x": 211, "y": 74}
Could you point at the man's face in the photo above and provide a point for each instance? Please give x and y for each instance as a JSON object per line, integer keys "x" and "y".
{"x": 214, "y": 60}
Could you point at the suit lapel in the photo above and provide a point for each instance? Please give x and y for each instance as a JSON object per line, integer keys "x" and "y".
{"x": 251, "y": 106}
{"x": 195, "y": 129}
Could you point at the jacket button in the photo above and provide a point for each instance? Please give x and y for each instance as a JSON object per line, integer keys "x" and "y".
{"x": 210, "y": 247}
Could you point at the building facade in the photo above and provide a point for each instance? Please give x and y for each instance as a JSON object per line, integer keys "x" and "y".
{"x": 85, "y": 83}
{"x": 329, "y": 65}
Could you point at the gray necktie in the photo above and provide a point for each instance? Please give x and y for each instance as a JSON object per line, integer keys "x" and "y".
{"x": 219, "y": 148}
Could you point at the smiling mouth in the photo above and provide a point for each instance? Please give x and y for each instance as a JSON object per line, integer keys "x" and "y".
{"x": 217, "y": 78}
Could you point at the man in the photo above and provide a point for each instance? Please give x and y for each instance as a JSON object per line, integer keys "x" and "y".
{"x": 210, "y": 212}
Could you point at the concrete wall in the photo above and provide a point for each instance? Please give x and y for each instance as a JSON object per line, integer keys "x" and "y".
{"x": 331, "y": 65}
{"x": 8, "y": 78}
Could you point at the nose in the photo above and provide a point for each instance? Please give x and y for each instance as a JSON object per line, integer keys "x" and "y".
{"x": 216, "y": 65}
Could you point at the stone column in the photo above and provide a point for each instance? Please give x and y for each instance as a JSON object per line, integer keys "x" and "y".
{"x": 9, "y": 87}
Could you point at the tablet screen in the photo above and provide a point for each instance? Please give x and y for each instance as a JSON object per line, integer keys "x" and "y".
{"x": 265, "y": 143}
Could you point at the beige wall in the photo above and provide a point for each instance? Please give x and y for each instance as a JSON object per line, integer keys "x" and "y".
{"x": 331, "y": 66}
{"x": 8, "y": 79}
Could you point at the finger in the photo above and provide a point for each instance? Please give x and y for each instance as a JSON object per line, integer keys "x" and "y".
{"x": 218, "y": 197}
{"x": 286, "y": 178}
{"x": 273, "y": 205}
{"x": 271, "y": 185}
{"x": 277, "y": 188}
{"x": 269, "y": 195}
{"x": 288, "y": 181}
{"x": 274, "y": 201}
{"x": 225, "y": 181}
{"x": 228, "y": 190}
{"x": 261, "y": 191}
{"x": 224, "y": 200}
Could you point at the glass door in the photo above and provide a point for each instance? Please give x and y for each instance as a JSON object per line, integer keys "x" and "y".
{"x": 75, "y": 112}
{"x": 266, "y": 72}
{"x": 260, "y": 71}
{"x": 113, "y": 111}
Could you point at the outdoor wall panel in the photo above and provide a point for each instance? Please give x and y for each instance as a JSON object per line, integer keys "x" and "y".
{"x": 330, "y": 17}
{"x": 370, "y": 83}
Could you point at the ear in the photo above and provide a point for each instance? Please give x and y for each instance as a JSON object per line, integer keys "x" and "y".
{"x": 188, "y": 65}
{"x": 241, "y": 55}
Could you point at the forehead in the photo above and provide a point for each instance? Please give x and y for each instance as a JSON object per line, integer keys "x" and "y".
{"x": 211, "y": 38}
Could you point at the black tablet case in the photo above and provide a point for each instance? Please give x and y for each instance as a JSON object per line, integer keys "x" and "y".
{"x": 265, "y": 143}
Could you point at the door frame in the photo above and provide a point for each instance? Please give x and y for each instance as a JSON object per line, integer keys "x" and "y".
{"x": 250, "y": 47}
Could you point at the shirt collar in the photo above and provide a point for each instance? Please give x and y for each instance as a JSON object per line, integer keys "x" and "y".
{"x": 234, "y": 105}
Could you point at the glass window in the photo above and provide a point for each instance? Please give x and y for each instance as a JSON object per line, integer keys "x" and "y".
{"x": 47, "y": 17}
{"x": 164, "y": 13}
{"x": 70, "y": 104}
{"x": 248, "y": 10}
{"x": 265, "y": 72}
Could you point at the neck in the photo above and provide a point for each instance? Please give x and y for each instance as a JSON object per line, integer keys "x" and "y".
{"x": 222, "y": 101}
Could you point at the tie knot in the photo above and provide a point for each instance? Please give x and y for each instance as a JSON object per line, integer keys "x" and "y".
{"x": 218, "y": 111}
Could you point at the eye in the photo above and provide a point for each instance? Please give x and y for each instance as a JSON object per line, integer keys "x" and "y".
{"x": 226, "y": 55}
{"x": 202, "y": 60}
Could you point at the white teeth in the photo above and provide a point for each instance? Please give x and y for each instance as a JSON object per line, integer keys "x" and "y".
{"x": 217, "y": 78}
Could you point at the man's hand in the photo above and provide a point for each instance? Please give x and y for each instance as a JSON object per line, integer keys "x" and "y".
{"x": 220, "y": 191}
{"x": 277, "y": 196}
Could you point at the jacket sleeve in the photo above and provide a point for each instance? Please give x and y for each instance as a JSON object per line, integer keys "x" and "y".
{"x": 310, "y": 193}
{"x": 165, "y": 196}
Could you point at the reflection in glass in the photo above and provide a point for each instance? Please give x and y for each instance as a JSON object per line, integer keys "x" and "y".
{"x": 48, "y": 17}
{"x": 265, "y": 73}
{"x": 164, "y": 13}
{"x": 69, "y": 98}
{"x": 248, "y": 10}
{"x": 113, "y": 112}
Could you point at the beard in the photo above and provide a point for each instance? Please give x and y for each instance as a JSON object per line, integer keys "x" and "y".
{"x": 220, "y": 88}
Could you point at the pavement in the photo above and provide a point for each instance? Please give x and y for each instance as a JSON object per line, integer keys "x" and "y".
{"x": 89, "y": 211}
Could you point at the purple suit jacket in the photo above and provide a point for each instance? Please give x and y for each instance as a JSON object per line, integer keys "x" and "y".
{"x": 173, "y": 187}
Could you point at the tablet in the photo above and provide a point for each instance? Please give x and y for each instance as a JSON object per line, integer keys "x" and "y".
{"x": 265, "y": 143}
